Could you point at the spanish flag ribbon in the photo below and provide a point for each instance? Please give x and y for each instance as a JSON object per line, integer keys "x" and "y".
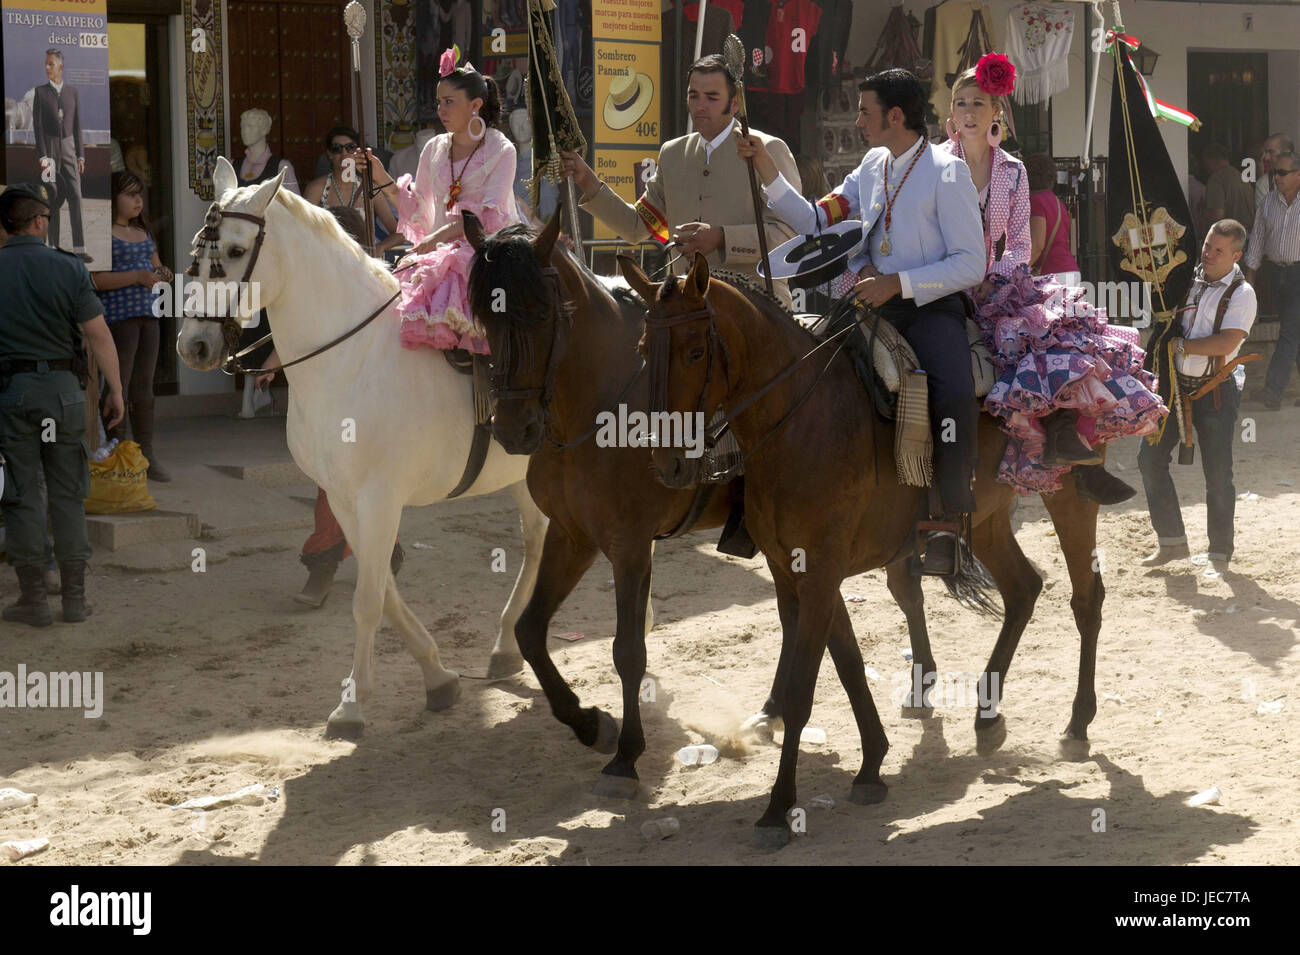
{"x": 835, "y": 206}
{"x": 654, "y": 221}
{"x": 1159, "y": 108}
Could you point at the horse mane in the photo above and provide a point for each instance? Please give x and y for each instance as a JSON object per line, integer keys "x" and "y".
{"x": 754, "y": 293}
{"x": 324, "y": 227}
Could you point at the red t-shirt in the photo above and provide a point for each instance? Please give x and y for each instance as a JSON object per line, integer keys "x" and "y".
{"x": 785, "y": 66}
{"x": 1057, "y": 257}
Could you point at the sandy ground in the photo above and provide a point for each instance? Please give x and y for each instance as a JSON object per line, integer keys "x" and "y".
{"x": 217, "y": 681}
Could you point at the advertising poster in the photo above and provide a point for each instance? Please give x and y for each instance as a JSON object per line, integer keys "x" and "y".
{"x": 56, "y": 116}
{"x": 627, "y": 95}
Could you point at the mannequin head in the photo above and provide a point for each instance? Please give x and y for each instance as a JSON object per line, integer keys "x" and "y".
{"x": 254, "y": 125}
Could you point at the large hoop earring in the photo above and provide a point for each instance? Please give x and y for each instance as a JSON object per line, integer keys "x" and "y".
{"x": 995, "y": 134}
{"x": 952, "y": 130}
{"x": 482, "y": 128}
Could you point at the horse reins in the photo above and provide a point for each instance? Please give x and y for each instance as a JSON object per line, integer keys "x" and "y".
{"x": 563, "y": 322}
{"x": 230, "y": 328}
{"x": 718, "y": 428}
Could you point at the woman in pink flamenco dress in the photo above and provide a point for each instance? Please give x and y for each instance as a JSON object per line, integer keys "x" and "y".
{"x": 1068, "y": 382}
{"x": 470, "y": 167}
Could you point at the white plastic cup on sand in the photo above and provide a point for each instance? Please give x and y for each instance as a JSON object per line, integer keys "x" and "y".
{"x": 15, "y": 799}
{"x": 701, "y": 755}
{"x": 1210, "y": 797}
{"x": 657, "y": 829}
{"x": 812, "y": 734}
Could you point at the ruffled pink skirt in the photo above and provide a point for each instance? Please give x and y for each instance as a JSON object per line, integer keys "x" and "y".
{"x": 1053, "y": 350}
{"x": 434, "y": 304}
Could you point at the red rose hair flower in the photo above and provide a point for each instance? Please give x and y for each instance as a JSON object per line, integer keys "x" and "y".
{"x": 995, "y": 74}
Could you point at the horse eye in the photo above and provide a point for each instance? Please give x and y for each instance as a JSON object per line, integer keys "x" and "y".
{"x": 236, "y": 252}
{"x": 695, "y": 354}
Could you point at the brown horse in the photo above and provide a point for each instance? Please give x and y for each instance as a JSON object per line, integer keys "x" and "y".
{"x": 823, "y": 504}
{"x": 564, "y": 350}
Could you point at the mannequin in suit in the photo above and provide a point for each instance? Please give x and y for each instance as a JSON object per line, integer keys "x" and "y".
{"x": 56, "y": 120}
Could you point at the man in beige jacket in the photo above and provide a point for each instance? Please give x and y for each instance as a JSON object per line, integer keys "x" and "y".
{"x": 699, "y": 194}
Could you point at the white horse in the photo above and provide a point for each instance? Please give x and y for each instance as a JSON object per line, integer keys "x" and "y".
{"x": 378, "y": 426}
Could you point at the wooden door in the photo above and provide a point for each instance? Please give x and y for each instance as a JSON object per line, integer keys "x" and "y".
{"x": 1228, "y": 93}
{"x": 293, "y": 60}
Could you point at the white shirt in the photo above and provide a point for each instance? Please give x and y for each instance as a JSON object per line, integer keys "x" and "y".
{"x": 1276, "y": 233}
{"x": 717, "y": 141}
{"x": 901, "y": 163}
{"x": 1240, "y": 314}
{"x": 58, "y": 87}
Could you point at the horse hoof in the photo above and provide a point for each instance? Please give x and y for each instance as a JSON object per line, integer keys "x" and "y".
{"x": 606, "y": 733}
{"x": 503, "y": 665}
{"x": 1074, "y": 750}
{"x": 771, "y": 838}
{"x": 916, "y": 712}
{"x": 762, "y": 727}
{"x": 443, "y": 696}
{"x": 615, "y": 787}
{"x": 868, "y": 794}
{"x": 344, "y": 729}
{"x": 990, "y": 738}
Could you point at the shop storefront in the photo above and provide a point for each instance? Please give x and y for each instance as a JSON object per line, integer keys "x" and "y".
{"x": 180, "y": 74}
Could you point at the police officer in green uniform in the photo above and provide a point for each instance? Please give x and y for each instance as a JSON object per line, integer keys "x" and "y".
{"x": 49, "y": 304}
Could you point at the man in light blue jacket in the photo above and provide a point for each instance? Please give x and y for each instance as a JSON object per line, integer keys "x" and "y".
{"x": 924, "y": 245}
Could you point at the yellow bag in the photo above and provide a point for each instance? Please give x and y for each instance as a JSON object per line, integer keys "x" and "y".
{"x": 118, "y": 484}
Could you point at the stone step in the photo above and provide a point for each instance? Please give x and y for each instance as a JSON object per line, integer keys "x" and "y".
{"x": 274, "y": 474}
{"x": 115, "y": 531}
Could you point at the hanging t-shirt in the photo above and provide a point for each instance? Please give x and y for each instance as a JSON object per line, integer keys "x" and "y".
{"x": 784, "y": 63}
{"x": 826, "y": 50}
{"x": 735, "y": 7}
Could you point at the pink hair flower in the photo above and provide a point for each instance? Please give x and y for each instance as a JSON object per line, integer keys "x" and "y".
{"x": 447, "y": 63}
{"x": 995, "y": 74}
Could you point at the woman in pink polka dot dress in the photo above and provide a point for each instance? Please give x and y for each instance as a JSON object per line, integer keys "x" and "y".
{"x": 1068, "y": 382}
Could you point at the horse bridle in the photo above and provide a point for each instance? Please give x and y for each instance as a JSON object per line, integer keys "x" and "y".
{"x": 209, "y": 247}
{"x": 657, "y": 333}
{"x": 563, "y": 322}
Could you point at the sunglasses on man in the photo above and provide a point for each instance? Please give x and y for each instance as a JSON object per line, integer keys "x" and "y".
{"x": 343, "y": 148}
{"x": 1284, "y": 172}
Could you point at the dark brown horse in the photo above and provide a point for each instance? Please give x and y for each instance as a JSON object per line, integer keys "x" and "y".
{"x": 823, "y": 504}
{"x": 564, "y": 350}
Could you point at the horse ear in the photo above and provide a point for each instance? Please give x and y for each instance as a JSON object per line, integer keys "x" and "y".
{"x": 223, "y": 178}
{"x": 474, "y": 233}
{"x": 265, "y": 193}
{"x": 698, "y": 280}
{"x": 639, "y": 281}
{"x": 545, "y": 242}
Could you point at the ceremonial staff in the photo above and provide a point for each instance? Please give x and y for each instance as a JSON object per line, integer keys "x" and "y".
{"x": 734, "y": 52}
{"x": 354, "y": 18}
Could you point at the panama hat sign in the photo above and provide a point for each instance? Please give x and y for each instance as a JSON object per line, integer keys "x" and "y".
{"x": 629, "y": 97}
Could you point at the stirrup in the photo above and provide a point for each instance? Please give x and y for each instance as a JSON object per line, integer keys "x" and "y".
{"x": 942, "y": 541}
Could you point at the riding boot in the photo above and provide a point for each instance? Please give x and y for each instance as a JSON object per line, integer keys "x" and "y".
{"x": 322, "y": 567}
{"x": 31, "y": 607}
{"x": 1063, "y": 447}
{"x": 1095, "y": 483}
{"x": 75, "y": 608}
{"x": 142, "y": 429}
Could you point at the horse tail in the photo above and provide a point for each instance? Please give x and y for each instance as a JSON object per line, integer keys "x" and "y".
{"x": 973, "y": 586}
